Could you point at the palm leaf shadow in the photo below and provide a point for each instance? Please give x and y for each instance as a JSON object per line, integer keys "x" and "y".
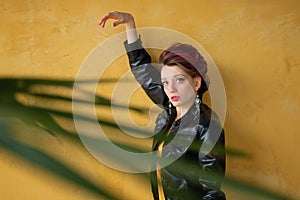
{"x": 40, "y": 117}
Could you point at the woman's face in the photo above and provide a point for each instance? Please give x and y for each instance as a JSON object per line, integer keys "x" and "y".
{"x": 179, "y": 86}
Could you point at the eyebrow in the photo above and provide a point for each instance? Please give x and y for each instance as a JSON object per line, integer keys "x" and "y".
{"x": 175, "y": 76}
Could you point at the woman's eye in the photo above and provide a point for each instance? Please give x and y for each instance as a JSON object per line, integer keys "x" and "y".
{"x": 165, "y": 83}
{"x": 180, "y": 80}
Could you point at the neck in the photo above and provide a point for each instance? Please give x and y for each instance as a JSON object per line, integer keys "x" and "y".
{"x": 182, "y": 110}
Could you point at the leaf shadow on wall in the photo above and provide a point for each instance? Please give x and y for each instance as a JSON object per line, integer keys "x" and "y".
{"x": 28, "y": 100}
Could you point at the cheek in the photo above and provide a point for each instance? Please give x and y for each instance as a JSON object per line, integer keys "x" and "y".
{"x": 187, "y": 88}
{"x": 166, "y": 91}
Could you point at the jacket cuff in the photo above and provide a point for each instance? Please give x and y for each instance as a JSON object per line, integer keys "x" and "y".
{"x": 133, "y": 46}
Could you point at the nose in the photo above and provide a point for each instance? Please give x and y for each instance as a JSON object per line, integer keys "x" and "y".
{"x": 171, "y": 87}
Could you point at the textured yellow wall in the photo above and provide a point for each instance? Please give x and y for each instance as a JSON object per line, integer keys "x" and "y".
{"x": 255, "y": 44}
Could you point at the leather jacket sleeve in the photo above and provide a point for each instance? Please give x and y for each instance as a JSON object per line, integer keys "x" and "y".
{"x": 213, "y": 163}
{"x": 145, "y": 72}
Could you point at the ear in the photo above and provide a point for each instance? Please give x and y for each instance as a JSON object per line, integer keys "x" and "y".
{"x": 197, "y": 81}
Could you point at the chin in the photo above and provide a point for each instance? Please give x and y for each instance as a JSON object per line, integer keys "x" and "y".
{"x": 176, "y": 104}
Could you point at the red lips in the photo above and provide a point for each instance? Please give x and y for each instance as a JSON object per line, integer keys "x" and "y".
{"x": 175, "y": 98}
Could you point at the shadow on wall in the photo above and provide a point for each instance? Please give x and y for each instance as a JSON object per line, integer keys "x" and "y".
{"x": 14, "y": 104}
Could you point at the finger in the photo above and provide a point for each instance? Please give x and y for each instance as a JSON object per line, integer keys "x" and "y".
{"x": 116, "y": 23}
{"x": 110, "y": 15}
{"x": 102, "y": 23}
{"x": 113, "y": 15}
{"x": 103, "y": 20}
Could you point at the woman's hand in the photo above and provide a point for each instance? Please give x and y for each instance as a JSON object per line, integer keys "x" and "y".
{"x": 120, "y": 17}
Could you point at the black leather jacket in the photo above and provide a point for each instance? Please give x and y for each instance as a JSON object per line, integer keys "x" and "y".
{"x": 181, "y": 181}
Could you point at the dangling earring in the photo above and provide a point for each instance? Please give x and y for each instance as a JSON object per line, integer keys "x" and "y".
{"x": 170, "y": 108}
{"x": 197, "y": 103}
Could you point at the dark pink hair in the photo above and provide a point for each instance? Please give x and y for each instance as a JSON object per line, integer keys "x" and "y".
{"x": 189, "y": 59}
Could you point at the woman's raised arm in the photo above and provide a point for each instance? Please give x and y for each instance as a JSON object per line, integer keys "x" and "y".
{"x": 140, "y": 61}
{"x": 122, "y": 18}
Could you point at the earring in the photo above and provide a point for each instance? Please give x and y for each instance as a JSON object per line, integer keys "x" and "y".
{"x": 170, "y": 108}
{"x": 197, "y": 103}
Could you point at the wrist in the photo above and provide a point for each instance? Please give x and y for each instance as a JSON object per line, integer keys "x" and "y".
{"x": 131, "y": 30}
{"x": 130, "y": 24}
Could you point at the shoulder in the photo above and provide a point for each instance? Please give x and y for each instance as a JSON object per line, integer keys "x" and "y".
{"x": 208, "y": 116}
{"x": 161, "y": 120}
{"x": 210, "y": 126}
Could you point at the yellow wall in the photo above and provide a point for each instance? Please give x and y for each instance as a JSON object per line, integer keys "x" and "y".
{"x": 255, "y": 44}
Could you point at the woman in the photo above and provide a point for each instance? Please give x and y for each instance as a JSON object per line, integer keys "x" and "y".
{"x": 178, "y": 88}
